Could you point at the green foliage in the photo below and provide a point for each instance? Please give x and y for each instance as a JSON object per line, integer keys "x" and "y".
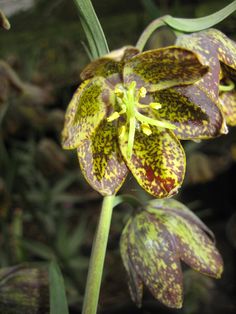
{"x": 195, "y": 25}
{"x": 92, "y": 28}
{"x": 58, "y": 300}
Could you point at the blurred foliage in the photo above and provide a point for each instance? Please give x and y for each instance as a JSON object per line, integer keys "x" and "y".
{"x": 47, "y": 211}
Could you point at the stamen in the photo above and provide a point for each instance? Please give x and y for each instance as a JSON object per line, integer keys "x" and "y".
{"x": 146, "y": 129}
{"x": 142, "y": 92}
{"x": 119, "y": 92}
{"x": 142, "y": 106}
{"x": 122, "y": 131}
{"x": 128, "y": 101}
{"x": 114, "y": 116}
{"x": 155, "y": 105}
{"x": 159, "y": 123}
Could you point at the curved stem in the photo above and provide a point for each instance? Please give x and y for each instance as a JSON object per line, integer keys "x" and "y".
{"x": 148, "y": 32}
{"x": 97, "y": 257}
{"x": 126, "y": 198}
{"x": 227, "y": 88}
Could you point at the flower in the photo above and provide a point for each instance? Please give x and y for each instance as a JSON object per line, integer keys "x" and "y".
{"x": 154, "y": 242}
{"x": 217, "y": 86}
{"x": 24, "y": 289}
{"x": 127, "y": 115}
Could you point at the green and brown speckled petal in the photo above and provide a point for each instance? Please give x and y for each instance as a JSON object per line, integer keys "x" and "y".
{"x": 163, "y": 68}
{"x": 105, "y": 67}
{"x": 154, "y": 256}
{"x": 190, "y": 110}
{"x": 134, "y": 281}
{"x": 228, "y": 106}
{"x": 100, "y": 160}
{"x": 86, "y": 110}
{"x": 194, "y": 246}
{"x": 171, "y": 206}
{"x": 203, "y": 46}
{"x": 226, "y": 47}
{"x": 157, "y": 161}
{"x": 213, "y": 46}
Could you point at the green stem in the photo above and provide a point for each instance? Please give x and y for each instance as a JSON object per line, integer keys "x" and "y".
{"x": 227, "y": 88}
{"x": 97, "y": 257}
{"x": 148, "y": 32}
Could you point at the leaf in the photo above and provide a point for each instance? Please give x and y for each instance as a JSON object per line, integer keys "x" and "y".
{"x": 101, "y": 162}
{"x": 163, "y": 68}
{"x": 198, "y": 24}
{"x": 58, "y": 301}
{"x": 92, "y": 28}
{"x": 77, "y": 236}
{"x": 157, "y": 162}
{"x": 37, "y": 248}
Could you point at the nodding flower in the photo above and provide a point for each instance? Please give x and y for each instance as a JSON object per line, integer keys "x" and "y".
{"x": 156, "y": 240}
{"x": 128, "y": 115}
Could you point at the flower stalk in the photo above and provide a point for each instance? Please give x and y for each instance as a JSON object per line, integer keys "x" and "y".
{"x": 97, "y": 257}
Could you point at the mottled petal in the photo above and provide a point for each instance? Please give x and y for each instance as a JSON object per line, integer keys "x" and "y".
{"x": 153, "y": 254}
{"x": 226, "y": 47}
{"x": 163, "y": 68}
{"x": 201, "y": 44}
{"x": 105, "y": 67}
{"x": 86, "y": 110}
{"x": 122, "y": 54}
{"x": 101, "y": 161}
{"x": 190, "y": 110}
{"x": 157, "y": 162}
{"x": 129, "y": 53}
{"x": 135, "y": 283}
{"x": 228, "y": 106}
{"x": 171, "y": 206}
{"x": 194, "y": 246}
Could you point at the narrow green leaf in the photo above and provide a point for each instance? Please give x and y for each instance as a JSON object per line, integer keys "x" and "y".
{"x": 77, "y": 236}
{"x": 92, "y": 28}
{"x": 58, "y": 301}
{"x": 151, "y": 8}
{"x": 198, "y": 24}
{"x": 39, "y": 249}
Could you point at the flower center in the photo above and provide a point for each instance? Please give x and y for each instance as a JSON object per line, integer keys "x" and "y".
{"x": 128, "y": 100}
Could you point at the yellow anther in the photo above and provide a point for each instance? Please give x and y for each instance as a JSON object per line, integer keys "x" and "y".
{"x": 122, "y": 131}
{"x": 115, "y": 115}
{"x": 146, "y": 129}
{"x": 155, "y": 105}
{"x": 142, "y": 92}
{"x": 119, "y": 92}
